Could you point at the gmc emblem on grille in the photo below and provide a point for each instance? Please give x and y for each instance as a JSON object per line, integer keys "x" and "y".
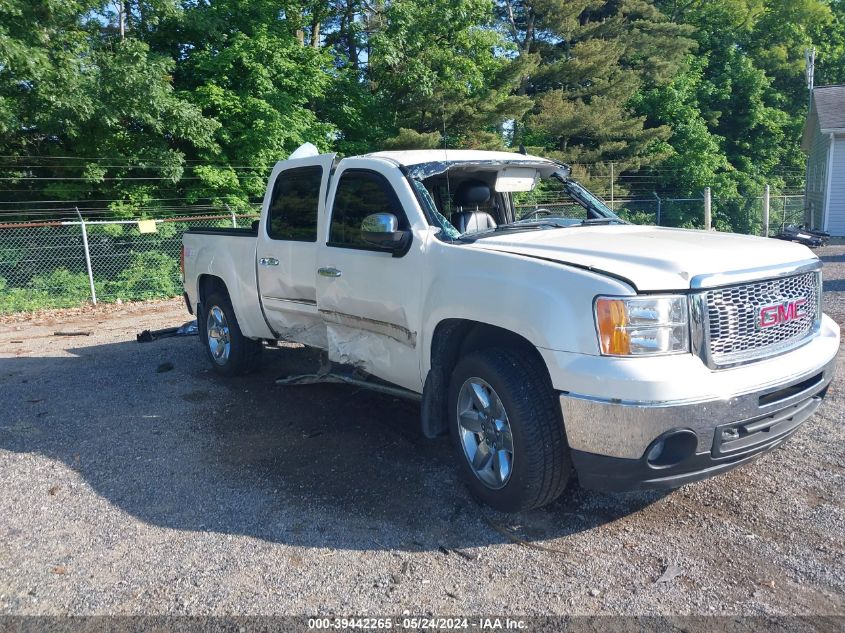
{"x": 779, "y": 313}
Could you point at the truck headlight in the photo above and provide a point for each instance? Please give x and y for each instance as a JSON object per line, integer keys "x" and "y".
{"x": 637, "y": 326}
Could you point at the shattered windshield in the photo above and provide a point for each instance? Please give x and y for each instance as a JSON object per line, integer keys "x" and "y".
{"x": 566, "y": 201}
{"x": 430, "y": 208}
{"x": 470, "y": 201}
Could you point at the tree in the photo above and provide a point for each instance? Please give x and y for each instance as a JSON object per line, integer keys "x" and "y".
{"x": 250, "y": 67}
{"x": 68, "y": 88}
{"x": 584, "y": 61}
{"x": 438, "y": 66}
{"x": 830, "y": 40}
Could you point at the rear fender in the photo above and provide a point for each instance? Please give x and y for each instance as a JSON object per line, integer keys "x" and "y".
{"x": 232, "y": 262}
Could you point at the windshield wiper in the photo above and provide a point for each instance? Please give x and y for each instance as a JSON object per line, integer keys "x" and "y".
{"x": 540, "y": 224}
{"x": 530, "y": 224}
{"x": 589, "y": 221}
{"x": 512, "y": 226}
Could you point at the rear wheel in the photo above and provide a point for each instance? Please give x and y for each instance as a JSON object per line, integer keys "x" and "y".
{"x": 507, "y": 430}
{"x": 230, "y": 352}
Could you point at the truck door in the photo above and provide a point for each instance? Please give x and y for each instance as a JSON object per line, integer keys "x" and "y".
{"x": 370, "y": 299}
{"x": 286, "y": 251}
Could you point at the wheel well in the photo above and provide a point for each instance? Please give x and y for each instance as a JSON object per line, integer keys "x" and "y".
{"x": 452, "y": 340}
{"x": 208, "y": 284}
{"x": 455, "y": 338}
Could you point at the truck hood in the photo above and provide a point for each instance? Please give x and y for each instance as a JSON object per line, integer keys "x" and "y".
{"x": 649, "y": 258}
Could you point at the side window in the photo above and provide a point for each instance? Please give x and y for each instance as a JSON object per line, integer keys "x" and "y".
{"x": 360, "y": 193}
{"x": 293, "y": 207}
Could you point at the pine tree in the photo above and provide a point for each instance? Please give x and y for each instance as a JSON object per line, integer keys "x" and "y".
{"x": 437, "y": 66}
{"x": 585, "y": 59}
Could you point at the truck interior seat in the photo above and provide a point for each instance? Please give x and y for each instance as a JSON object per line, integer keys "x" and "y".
{"x": 472, "y": 193}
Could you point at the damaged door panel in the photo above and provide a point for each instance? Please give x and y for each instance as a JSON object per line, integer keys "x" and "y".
{"x": 371, "y": 307}
{"x": 396, "y": 332}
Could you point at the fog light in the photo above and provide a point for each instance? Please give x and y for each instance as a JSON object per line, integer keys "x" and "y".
{"x": 671, "y": 448}
{"x": 655, "y": 451}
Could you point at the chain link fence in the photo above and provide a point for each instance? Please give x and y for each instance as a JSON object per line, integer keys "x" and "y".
{"x": 43, "y": 264}
{"x": 784, "y": 210}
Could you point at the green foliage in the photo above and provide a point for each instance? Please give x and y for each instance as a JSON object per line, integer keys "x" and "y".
{"x": 150, "y": 274}
{"x": 258, "y": 87}
{"x": 737, "y": 111}
{"x": 411, "y": 139}
{"x": 67, "y": 89}
{"x": 593, "y": 57}
{"x": 830, "y": 40}
{"x": 57, "y": 289}
{"x": 62, "y": 282}
{"x": 193, "y": 102}
{"x": 440, "y": 65}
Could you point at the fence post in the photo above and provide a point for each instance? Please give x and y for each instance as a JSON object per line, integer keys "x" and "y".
{"x": 234, "y": 219}
{"x": 708, "y": 218}
{"x": 766, "y": 199}
{"x": 783, "y": 220}
{"x": 659, "y": 204}
{"x": 87, "y": 257}
{"x": 611, "y": 187}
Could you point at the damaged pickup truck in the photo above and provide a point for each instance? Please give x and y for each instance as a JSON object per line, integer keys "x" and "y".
{"x": 547, "y": 336}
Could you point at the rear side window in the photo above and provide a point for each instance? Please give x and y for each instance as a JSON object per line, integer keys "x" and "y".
{"x": 293, "y": 207}
{"x": 360, "y": 193}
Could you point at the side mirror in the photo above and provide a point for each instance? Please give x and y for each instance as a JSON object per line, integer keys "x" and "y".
{"x": 382, "y": 231}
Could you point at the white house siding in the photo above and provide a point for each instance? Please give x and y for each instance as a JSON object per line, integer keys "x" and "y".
{"x": 816, "y": 177}
{"x": 836, "y": 211}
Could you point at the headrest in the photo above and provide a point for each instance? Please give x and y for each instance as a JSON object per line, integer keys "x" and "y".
{"x": 471, "y": 192}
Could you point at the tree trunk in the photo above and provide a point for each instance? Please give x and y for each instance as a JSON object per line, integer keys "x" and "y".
{"x": 295, "y": 19}
{"x": 121, "y": 22}
{"x": 315, "y": 34}
{"x": 351, "y": 41}
{"x": 127, "y": 13}
{"x": 525, "y": 48}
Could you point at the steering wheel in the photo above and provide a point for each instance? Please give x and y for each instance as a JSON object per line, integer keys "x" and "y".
{"x": 536, "y": 213}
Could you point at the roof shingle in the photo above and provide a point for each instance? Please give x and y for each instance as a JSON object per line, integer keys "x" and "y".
{"x": 830, "y": 106}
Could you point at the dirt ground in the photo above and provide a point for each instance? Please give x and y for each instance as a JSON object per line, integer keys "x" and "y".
{"x": 128, "y": 489}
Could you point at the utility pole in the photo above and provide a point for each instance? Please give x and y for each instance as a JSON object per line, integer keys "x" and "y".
{"x": 708, "y": 218}
{"x": 810, "y": 57}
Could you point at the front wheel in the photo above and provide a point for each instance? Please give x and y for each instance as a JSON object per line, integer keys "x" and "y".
{"x": 230, "y": 352}
{"x": 507, "y": 430}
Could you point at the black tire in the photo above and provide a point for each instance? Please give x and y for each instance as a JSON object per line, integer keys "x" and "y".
{"x": 244, "y": 354}
{"x": 541, "y": 465}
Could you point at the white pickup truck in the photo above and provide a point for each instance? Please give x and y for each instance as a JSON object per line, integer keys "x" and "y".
{"x": 542, "y": 332}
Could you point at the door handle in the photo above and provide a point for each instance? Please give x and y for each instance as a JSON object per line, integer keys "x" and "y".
{"x": 268, "y": 261}
{"x": 328, "y": 272}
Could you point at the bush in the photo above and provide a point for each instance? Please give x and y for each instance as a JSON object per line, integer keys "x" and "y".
{"x": 62, "y": 282}
{"x": 149, "y": 275}
{"x": 57, "y": 289}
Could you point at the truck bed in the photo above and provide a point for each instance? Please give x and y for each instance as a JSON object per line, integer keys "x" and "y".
{"x": 215, "y": 252}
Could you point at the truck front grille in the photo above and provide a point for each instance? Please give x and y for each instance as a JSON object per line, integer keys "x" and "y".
{"x": 733, "y": 317}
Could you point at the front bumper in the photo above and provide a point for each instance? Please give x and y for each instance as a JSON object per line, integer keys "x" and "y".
{"x": 727, "y": 432}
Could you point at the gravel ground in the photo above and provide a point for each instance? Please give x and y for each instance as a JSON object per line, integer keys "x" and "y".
{"x": 128, "y": 491}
